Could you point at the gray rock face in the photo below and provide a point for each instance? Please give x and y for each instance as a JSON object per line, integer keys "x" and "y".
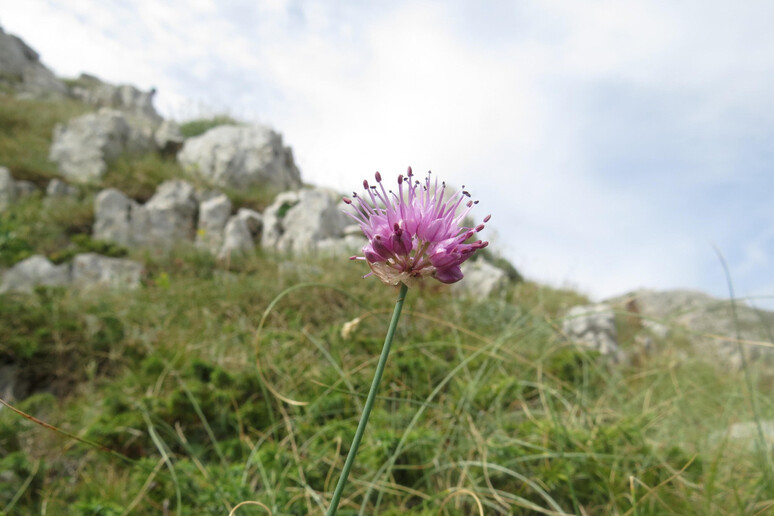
{"x": 86, "y": 270}
{"x": 297, "y": 221}
{"x": 82, "y": 146}
{"x": 124, "y": 97}
{"x": 481, "y": 280}
{"x": 240, "y": 234}
{"x": 213, "y": 215}
{"x": 34, "y": 271}
{"x": 708, "y": 320}
{"x": 240, "y": 157}
{"x": 7, "y": 189}
{"x": 20, "y": 67}
{"x": 168, "y": 217}
{"x": 112, "y": 217}
{"x": 58, "y": 189}
{"x": 90, "y": 270}
{"x": 593, "y": 327}
{"x": 168, "y": 138}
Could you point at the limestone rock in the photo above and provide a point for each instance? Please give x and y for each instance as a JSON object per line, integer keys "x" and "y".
{"x": 58, "y": 189}
{"x": 241, "y": 157}
{"x": 481, "y": 280}
{"x": 35, "y": 271}
{"x": 241, "y": 233}
{"x": 7, "y": 189}
{"x": 83, "y": 145}
{"x": 711, "y": 323}
{"x": 213, "y": 215}
{"x": 124, "y": 97}
{"x": 25, "y": 188}
{"x": 91, "y": 269}
{"x": 168, "y": 138}
{"x": 20, "y": 68}
{"x": 593, "y": 327}
{"x": 112, "y": 217}
{"x": 168, "y": 217}
{"x": 297, "y": 221}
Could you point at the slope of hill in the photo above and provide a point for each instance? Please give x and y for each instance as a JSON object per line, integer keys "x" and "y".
{"x": 223, "y": 379}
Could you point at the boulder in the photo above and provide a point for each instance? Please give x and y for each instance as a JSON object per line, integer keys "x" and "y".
{"x": 83, "y": 145}
{"x": 58, "y": 189}
{"x": 241, "y": 233}
{"x": 297, "y": 221}
{"x": 91, "y": 269}
{"x": 35, "y": 271}
{"x": 213, "y": 215}
{"x": 482, "y": 279}
{"x": 168, "y": 138}
{"x": 168, "y": 217}
{"x": 25, "y": 188}
{"x": 711, "y": 324}
{"x": 20, "y": 68}
{"x": 593, "y": 327}
{"x": 123, "y": 97}
{"x": 112, "y": 217}
{"x": 241, "y": 157}
{"x": 7, "y": 189}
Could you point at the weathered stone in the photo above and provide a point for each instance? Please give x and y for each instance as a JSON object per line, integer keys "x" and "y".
{"x": 83, "y": 145}
{"x": 124, "y": 97}
{"x": 168, "y": 217}
{"x": 91, "y": 269}
{"x": 35, "y": 271}
{"x": 237, "y": 239}
{"x": 253, "y": 220}
{"x": 112, "y": 217}
{"x": 297, "y": 221}
{"x": 7, "y": 189}
{"x": 241, "y": 157}
{"x": 482, "y": 279}
{"x": 25, "y": 188}
{"x": 59, "y": 189}
{"x": 593, "y": 327}
{"x": 168, "y": 138}
{"x": 213, "y": 215}
{"x": 712, "y": 324}
{"x": 20, "y": 68}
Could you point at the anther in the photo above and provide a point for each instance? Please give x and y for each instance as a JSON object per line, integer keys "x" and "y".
{"x": 378, "y": 177}
{"x": 486, "y": 219}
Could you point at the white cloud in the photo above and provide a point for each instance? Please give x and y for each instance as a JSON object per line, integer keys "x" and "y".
{"x": 599, "y": 135}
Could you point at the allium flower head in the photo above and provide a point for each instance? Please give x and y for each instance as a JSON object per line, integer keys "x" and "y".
{"x": 415, "y": 233}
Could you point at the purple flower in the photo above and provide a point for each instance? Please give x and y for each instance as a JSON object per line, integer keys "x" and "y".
{"x": 416, "y": 232}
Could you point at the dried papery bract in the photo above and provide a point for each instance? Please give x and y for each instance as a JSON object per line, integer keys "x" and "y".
{"x": 415, "y": 233}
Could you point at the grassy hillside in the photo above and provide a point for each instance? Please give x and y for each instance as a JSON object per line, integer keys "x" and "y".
{"x": 214, "y": 384}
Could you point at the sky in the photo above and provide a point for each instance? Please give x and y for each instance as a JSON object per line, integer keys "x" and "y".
{"x": 617, "y": 145}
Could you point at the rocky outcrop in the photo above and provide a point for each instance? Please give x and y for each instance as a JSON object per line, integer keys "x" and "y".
{"x": 34, "y": 271}
{"x": 213, "y": 215}
{"x": 7, "y": 188}
{"x": 86, "y": 270}
{"x": 593, "y": 327}
{"x": 168, "y": 138}
{"x": 241, "y": 157}
{"x": 122, "y": 97}
{"x": 21, "y": 69}
{"x": 240, "y": 234}
{"x": 298, "y": 222}
{"x": 481, "y": 279}
{"x": 82, "y": 147}
{"x": 91, "y": 269}
{"x": 709, "y": 323}
{"x": 168, "y": 217}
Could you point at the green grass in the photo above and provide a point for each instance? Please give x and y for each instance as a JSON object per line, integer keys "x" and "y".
{"x": 215, "y": 384}
{"x": 201, "y": 125}
{"x": 480, "y": 402}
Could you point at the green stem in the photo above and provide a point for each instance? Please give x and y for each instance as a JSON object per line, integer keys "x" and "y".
{"x": 369, "y": 402}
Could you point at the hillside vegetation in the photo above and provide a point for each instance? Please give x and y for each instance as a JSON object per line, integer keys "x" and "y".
{"x": 218, "y": 383}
